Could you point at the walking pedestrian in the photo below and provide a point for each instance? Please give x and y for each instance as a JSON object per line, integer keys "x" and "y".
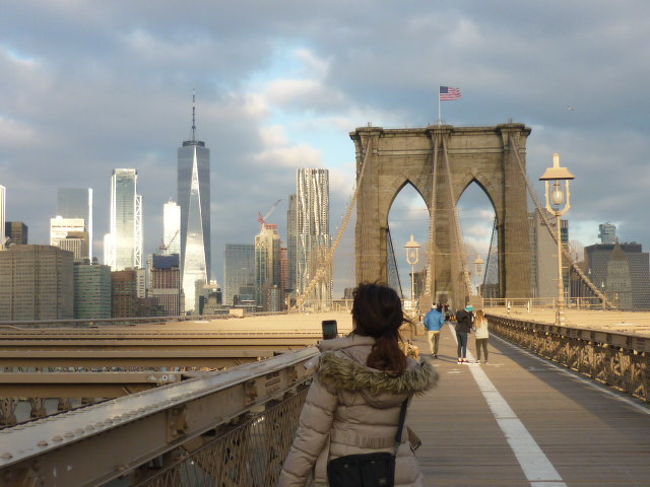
{"x": 357, "y": 396}
{"x": 433, "y": 322}
{"x": 464, "y": 318}
{"x": 482, "y": 335}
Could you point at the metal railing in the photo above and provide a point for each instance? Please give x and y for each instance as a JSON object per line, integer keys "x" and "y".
{"x": 543, "y": 303}
{"x": 618, "y": 360}
{"x": 230, "y": 428}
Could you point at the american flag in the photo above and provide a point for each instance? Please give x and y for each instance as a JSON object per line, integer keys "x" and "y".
{"x": 447, "y": 93}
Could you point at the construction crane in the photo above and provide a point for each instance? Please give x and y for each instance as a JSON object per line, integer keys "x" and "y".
{"x": 261, "y": 219}
{"x": 164, "y": 246}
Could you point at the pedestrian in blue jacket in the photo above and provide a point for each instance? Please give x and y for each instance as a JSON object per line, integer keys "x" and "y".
{"x": 433, "y": 322}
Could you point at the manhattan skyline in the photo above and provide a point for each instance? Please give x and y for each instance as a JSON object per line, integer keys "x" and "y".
{"x": 280, "y": 92}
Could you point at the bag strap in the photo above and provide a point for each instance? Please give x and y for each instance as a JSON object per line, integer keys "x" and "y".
{"x": 400, "y": 427}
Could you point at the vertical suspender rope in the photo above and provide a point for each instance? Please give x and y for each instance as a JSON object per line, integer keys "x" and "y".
{"x": 431, "y": 277}
{"x": 457, "y": 230}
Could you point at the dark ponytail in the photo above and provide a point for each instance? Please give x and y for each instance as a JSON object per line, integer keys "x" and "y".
{"x": 377, "y": 312}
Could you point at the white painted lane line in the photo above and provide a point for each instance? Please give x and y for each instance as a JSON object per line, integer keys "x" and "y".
{"x": 619, "y": 396}
{"x": 537, "y": 468}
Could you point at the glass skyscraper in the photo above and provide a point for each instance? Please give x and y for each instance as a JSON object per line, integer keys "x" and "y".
{"x": 123, "y": 245}
{"x": 194, "y": 200}
{"x": 312, "y": 232}
{"x": 77, "y": 203}
{"x": 239, "y": 271}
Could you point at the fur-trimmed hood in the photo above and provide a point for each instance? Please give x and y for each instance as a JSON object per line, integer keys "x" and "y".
{"x": 342, "y": 367}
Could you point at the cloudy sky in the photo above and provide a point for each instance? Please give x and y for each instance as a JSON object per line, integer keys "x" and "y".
{"x": 86, "y": 87}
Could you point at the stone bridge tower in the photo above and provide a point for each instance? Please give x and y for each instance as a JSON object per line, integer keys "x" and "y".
{"x": 440, "y": 162}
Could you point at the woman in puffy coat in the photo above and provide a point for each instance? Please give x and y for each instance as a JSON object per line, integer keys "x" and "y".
{"x": 354, "y": 402}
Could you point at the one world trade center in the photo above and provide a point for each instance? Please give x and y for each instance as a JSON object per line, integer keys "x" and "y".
{"x": 194, "y": 200}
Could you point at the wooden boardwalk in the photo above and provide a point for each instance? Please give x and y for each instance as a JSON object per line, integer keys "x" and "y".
{"x": 566, "y": 431}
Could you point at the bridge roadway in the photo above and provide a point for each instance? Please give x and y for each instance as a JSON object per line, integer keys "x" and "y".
{"x": 520, "y": 420}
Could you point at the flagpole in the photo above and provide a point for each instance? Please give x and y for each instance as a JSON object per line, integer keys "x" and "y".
{"x": 439, "y": 115}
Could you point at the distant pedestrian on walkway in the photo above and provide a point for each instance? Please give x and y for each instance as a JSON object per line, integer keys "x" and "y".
{"x": 433, "y": 322}
{"x": 482, "y": 335}
{"x": 464, "y": 319}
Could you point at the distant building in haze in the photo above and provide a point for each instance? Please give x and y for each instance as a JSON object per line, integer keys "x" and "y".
{"x": 77, "y": 203}
{"x": 312, "y": 232}
{"x": 123, "y": 245}
{"x": 267, "y": 262}
{"x": 194, "y": 199}
{"x": 36, "y": 283}
{"x": 171, "y": 243}
{"x": 17, "y": 232}
{"x": 605, "y": 264}
{"x": 239, "y": 273}
{"x": 607, "y": 233}
{"x": 92, "y": 291}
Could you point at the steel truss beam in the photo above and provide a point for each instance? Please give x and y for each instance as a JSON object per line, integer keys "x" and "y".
{"x": 93, "y": 445}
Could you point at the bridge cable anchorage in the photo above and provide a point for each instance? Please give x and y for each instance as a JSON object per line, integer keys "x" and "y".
{"x": 541, "y": 211}
{"x": 324, "y": 271}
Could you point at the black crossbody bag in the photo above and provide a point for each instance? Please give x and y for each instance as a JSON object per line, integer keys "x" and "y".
{"x": 369, "y": 469}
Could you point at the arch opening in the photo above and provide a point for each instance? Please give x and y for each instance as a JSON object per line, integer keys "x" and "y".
{"x": 478, "y": 223}
{"x": 408, "y": 215}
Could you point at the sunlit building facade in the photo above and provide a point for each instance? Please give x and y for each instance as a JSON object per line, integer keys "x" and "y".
{"x": 77, "y": 203}
{"x": 267, "y": 263}
{"x": 123, "y": 245}
{"x": 312, "y": 233}
{"x": 171, "y": 229}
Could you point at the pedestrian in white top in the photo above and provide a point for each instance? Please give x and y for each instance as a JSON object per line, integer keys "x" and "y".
{"x": 482, "y": 335}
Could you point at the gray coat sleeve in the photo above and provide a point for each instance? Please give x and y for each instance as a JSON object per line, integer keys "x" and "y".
{"x": 312, "y": 434}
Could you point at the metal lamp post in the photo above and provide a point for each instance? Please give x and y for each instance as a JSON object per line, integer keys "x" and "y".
{"x": 558, "y": 203}
{"x": 412, "y": 258}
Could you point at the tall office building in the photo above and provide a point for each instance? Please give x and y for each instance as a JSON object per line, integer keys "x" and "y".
{"x": 291, "y": 242}
{"x": 239, "y": 273}
{"x": 171, "y": 229}
{"x": 16, "y": 232}
{"x": 607, "y": 233}
{"x": 123, "y": 245}
{"x": 312, "y": 232}
{"x": 194, "y": 200}
{"x": 92, "y": 291}
{"x": 36, "y": 283}
{"x": 2, "y": 216}
{"x": 267, "y": 263}
{"x": 77, "y": 203}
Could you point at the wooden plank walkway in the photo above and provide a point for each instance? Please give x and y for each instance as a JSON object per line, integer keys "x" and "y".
{"x": 588, "y": 435}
